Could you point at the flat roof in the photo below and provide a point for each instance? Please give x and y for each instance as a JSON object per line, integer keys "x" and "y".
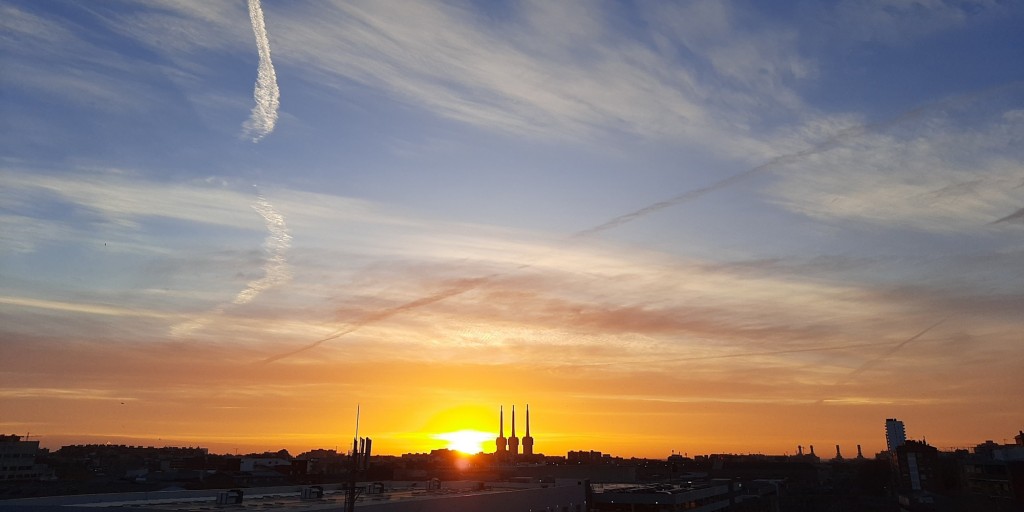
{"x": 261, "y": 499}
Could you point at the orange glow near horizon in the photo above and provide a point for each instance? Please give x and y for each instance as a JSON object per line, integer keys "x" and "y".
{"x": 469, "y": 442}
{"x": 190, "y": 398}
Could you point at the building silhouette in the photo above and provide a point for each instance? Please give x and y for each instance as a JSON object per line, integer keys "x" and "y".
{"x": 18, "y": 459}
{"x": 507, "y": 448}
{"x": 513, "y": 441}
{"x": 918, "y": 463}
{"x": 528, "y": 439}
{"x": 501, "y": 443}
{"x": 895, "y": 434}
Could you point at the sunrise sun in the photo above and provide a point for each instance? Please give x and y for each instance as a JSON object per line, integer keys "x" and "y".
{"x": 469, "y": 442}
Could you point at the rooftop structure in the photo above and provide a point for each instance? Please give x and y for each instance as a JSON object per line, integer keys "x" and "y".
{"x": 635, "y": 498}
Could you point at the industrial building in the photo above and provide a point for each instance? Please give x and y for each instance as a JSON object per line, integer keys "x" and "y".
{"x": 507, "y": 449}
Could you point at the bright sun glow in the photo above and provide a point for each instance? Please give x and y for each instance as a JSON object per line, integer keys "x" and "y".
{"x": 466, "y": 441}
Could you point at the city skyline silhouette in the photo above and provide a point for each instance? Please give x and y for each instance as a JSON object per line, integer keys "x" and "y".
{"x": 703, "y": 227}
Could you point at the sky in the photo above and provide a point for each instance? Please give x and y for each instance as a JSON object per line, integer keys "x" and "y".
{"x": 693, "y": 227}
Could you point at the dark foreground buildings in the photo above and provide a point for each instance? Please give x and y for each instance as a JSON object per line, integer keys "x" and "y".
{"x": 912, "y": 476}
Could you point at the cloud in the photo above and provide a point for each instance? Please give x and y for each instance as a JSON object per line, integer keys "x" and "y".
{"x": 62, "y": 394}
{"x": 895, "y": 22}
{"x": 956, "y": 168}
{"x": 266, "y": 93}
{"x": 47, "y": 55}
{"x": 90, "y": 309}
{"x": 528, "y": 73}
{"x": 122, "y": 198}
{"x": 849, "y": 135}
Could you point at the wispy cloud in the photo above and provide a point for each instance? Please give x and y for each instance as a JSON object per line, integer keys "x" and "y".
{"x": 945, "y": 172}
{"x": 48, "y": 56}
{"x": 83, "y": 308}
{"x": 123, "y": 197}
{"x": 63, "y": 394}
{"x": 266, "y": 93}
{"x": 849, "y": 135}
{"x": 897, "y": 23}
{"x": 520, "y": 74}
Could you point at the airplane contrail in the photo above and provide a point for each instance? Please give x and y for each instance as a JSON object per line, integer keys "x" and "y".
{"x": 1019, "y": 214}
{"x": 831, "y": 142}
{"x": 275, "y": 267}
{"x": 471, "y": 284}
{"x": 264, "y": 113}
{"x": 872, "y": 362}
{"x": 647, "y": 362}
{"x": 465, "y": 286}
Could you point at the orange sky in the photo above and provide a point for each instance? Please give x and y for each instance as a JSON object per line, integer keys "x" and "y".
{"x": 225, "y": 399}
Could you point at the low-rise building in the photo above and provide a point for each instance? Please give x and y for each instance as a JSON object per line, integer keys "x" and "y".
{"x": 18, "y": 459}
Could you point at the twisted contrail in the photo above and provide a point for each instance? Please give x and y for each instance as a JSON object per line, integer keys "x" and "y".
{"x": 275, "y": 268}
{"x": 267, "y": 95}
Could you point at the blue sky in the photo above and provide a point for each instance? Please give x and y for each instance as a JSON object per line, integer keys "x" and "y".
{"x": 454, "y": 183}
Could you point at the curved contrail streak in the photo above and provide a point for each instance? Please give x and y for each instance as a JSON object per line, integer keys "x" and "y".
{"x": 275, "y": 268}
{"x": 264, "y": 113}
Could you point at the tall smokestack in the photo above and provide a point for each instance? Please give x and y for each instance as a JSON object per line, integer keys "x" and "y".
{"x": 501, "y": 444}
{"x": 513, "y": 441}
{"x": 528, "y": 440}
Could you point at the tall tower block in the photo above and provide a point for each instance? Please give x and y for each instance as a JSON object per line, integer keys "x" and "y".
{"x": 513, "y": 442}
{"x": 528, "y": 440}
{"x": 895, "y": 434}
{"x": 501, "y": 443}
